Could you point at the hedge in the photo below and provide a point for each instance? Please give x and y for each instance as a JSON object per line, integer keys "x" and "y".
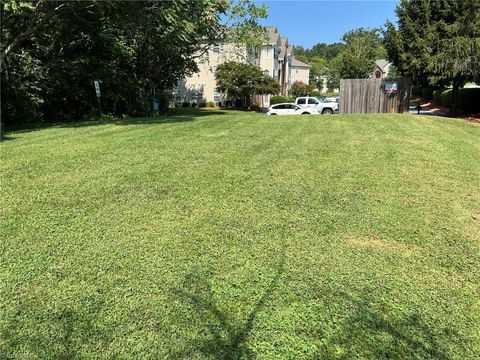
{"x": 281, "y": 99}
{"x": 427, "y": 93}
{"x": 468, "y": 99}
{"x": 437, "y": 94}
{"x": 417, "y": 90}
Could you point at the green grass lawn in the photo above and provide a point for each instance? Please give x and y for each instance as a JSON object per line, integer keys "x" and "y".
{"x": 232, "y": 235}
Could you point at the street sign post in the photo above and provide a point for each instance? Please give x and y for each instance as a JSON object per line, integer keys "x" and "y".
{"x": 97, "y": 91}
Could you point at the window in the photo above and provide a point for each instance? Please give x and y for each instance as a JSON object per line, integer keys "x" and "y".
{"x": 266, "y": 72}
{"x": 216, "y": 95}
{"x": 214, "y": 69}
{"x": 197, "y": 96}
{"x": 296, "y": 71}
{"x": 312, "y": 101}
{"x": 216, "y": 49}
{"x": 301, "y": 101}
{"x": 281, "y": 106}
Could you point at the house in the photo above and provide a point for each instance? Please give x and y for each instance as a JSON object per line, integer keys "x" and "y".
{"x": 275, "y": 58}
{"x": 382, "y": 68}
{"x": 201, "y": 86}
{"x": 300, "y": 71}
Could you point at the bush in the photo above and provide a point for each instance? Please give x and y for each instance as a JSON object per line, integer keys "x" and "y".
{"x": 202, "y": 105}
{"x": 468, "y": 99}
{"x": 281, "y": 99}
{"x": 315, "y": 93}
{"x": 427, "y": 93}
{"x": 437, "y": 94}
{"x": 211, "y": 104}
{"x": 417, "y": 90}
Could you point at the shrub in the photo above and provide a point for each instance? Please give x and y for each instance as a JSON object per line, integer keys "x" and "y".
{"x": 417, "y": 90}
{"x": 211, "y": 104}
{"x": 281, "y": 99}
{"x": 202, "y": 105}
{"x": 315, "y": 93}
{"x": 468, "y": 99}
{"x": 185, "y": 104}
{"x": 437, "y": 96}
{"x": 427, "y": 93}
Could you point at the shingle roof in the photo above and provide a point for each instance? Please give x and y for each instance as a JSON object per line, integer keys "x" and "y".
{"x": 273, "y": 34}
{"x": 298, "y": 63}
{"x": 382, "y": 63}
{"x": 283, "y": 47}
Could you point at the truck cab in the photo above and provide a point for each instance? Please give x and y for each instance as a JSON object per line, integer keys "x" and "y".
{"x": 319, "y": 103}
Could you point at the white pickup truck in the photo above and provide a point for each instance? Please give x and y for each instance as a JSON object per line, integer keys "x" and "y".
{"x": 319, "y": 103}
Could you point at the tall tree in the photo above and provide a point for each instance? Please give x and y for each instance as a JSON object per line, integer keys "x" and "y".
{"x": 53, "y": 50}
{"x": 363, "y": 47}
{"x": 437, "y": 42}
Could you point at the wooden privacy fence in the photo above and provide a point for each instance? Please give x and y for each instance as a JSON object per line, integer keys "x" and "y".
{"x": 374, "y": 96}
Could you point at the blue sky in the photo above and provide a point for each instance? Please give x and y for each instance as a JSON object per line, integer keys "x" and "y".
{"x": 309, "y": 22}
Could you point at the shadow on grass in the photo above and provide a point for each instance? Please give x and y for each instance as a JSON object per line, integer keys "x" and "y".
{"x": 377, "y": 334}
{"x": 169, "y": 117}
{"x": 63, "y": 335}
{"x": 226, "y": 338}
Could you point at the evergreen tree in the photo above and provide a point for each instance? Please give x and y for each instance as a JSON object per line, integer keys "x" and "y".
{"x": 437, "y": 42}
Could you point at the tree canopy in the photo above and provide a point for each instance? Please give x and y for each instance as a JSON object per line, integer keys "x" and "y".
{"x": 437, "y": 42}
{"x": 240, "y": 81}
{"x": 354, "y": 57}
{"x": 53, "y": 50}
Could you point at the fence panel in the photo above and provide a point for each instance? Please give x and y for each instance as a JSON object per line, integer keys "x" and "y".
{"x": 373, "y": 96}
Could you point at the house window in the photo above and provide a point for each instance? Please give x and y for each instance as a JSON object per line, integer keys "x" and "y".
{"x": 197, "y": 96}
{"x": 378, "y": 74}
{"x": 296, "y": 71}
{"x": 216, "y": 95}
{"x": 266, "y": 100}
{"x": 216, "y": 49}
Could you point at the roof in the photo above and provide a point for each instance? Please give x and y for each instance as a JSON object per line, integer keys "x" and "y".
{"x": 290, "y": 50}
{"x": 273, "y": 34}
{"x": 382, "y": 63}
{"x": 283, "y": 47}
{"x": 298, "y": 63}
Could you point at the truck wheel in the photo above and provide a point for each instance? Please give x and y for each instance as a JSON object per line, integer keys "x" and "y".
{"x": 305, "y": 113}
{"x": 327, "y": 111}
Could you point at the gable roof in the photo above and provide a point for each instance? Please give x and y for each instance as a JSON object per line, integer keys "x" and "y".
{"x": 298, "y": 63}
{"x": 272, "y": 34}
{"x": 283, "y": 47}
{"x": 382, "y": 63}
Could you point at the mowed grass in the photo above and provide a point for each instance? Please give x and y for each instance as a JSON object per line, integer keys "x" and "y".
{"x": 229, "y": 235}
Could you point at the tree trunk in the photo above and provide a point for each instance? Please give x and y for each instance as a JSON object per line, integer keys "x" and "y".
{"x": 454, "y": 103}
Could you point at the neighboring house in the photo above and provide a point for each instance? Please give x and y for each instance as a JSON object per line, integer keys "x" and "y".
{"x": 382, "y": 68}
{"x": 275, "y": 58}
{"x": 201, "y": 86}
{"x": 300, "y": 71}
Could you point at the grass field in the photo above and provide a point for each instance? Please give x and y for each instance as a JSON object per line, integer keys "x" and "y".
{"x": 229, "y": 235}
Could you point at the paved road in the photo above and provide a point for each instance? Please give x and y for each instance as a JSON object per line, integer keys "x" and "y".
{"x": 426, "y": 111}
